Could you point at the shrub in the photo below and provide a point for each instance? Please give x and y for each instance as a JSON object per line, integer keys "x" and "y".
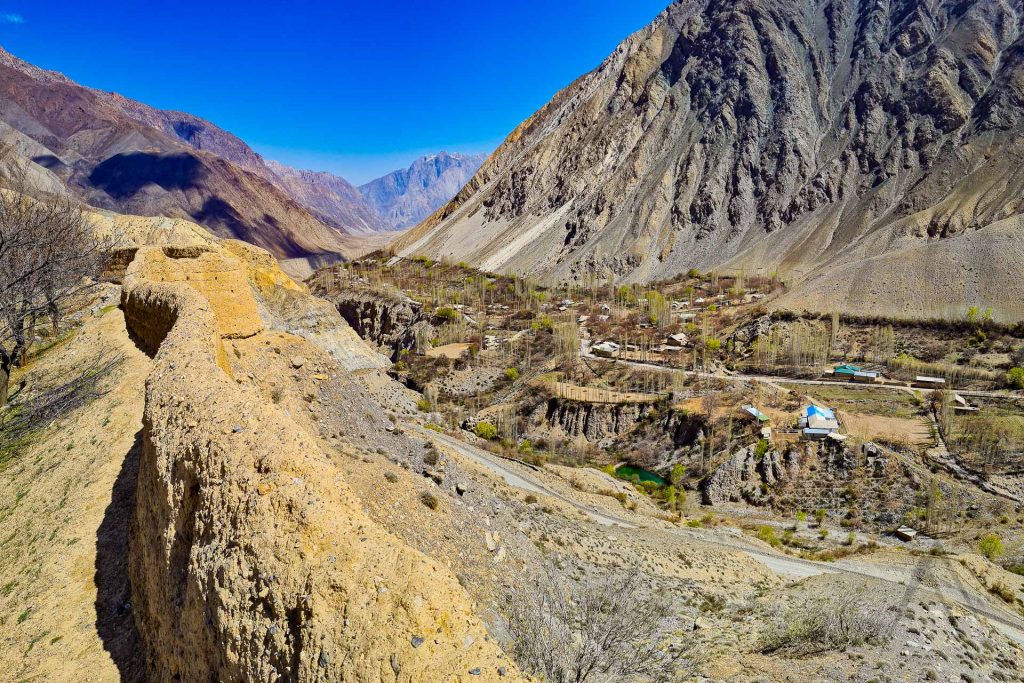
{"x": 596, "y": 629}
{"x": 1003, "y": 591}
{"x": 512, "y": 374}
{"x": 819, "y": 516}
{"x": 713, "y": 344}
{"x": 991, "y": 546}
{"x": 429, "y": 499}
{"x": 485, "y": 430}
{"x": 768, "y": 535}
{"x": 423, "y": 405}
{"x": 446, "y": 314}
{"x": 391, "y": 477}
{"x": 760, "y": 450}
{"x": 832, "y": 622}
{"x": 530, "y": 498}
{"x": 1015, "y": 378}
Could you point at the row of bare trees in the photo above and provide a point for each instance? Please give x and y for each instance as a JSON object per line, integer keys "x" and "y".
{"x": 49, "y": 257}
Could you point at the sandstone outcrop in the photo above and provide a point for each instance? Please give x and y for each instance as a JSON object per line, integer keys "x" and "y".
{"x": 250, "y": 558}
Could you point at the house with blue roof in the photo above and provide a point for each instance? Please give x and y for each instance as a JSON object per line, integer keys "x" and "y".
{"x": 818, "y": 422}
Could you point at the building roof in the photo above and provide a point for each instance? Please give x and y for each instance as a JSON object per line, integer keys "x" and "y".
{"x": 813, "y": 410}
{"x": 846, "y": 369}
{"x": 758, "y": 415}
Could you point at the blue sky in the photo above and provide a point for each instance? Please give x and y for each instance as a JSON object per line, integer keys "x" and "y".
{"x": 355, "y": 88}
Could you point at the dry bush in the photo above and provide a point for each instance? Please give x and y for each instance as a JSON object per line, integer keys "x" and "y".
{"x": 26, "y": 415}
{"x": 831, "y": 622}
{"x": 593, "y": 631}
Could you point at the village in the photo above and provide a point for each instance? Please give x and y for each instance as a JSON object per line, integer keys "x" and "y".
{"x": 701, "y": 396}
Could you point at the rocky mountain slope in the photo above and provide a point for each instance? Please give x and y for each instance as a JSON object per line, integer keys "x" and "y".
{"x": 405, "y": 197}
{"x": 811, "y": 138}
{"x": 330, "y": 197}
{"x": 125, "y": 156}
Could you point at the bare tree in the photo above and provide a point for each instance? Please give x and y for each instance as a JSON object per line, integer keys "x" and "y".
{"x": 594, "y": 631}
{"x": 49, "y": 256}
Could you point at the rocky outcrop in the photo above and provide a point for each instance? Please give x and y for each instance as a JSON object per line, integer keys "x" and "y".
{"x": 748, "y": 475}
{"x": 804, "y": 138}
{"x": 594, "y": 422}
{"x": 392, "y": 322}
{"x": 250, "y": 559}
{"x": 865, "y": 485}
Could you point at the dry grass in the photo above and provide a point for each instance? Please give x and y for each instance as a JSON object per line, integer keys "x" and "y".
{"x": 894, "y": 429}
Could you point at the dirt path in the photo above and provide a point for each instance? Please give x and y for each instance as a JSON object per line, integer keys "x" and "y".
{"x": 770, "y": 379}
{"x": 64, "y": 524}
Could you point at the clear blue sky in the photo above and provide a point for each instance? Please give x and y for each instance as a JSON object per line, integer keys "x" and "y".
{"x": 358, "y": 88}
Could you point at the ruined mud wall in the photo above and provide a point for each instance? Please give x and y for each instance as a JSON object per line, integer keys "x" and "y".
{"x": 250, "y": 558}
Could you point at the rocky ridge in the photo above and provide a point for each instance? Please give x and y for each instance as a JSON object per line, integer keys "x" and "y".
{"x": 842, "y": 144}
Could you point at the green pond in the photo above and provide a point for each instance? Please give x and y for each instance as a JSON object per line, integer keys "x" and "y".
{"x": 627, "y": 472}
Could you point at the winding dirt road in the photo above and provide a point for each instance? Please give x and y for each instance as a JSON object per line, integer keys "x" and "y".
{"x": 909, "y": 577}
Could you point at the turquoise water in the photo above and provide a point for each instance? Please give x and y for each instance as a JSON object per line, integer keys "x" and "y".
{"x": 627, "y": 471}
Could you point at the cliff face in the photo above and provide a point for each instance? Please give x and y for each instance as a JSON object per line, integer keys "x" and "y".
{"x": 594, "y": 422}
{"x": 807, "y": 137}
{"x": 394, "y": 324}
{"x": 250, "y": 558}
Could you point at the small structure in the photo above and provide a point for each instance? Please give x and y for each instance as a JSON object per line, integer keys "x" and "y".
{"x": 846, "y": 370}
{"x": 925, "y": 382}
{"x": 962, "y": 405}
{"x": 607, "y": 349}
{"x": 865, "y": 377}
{"x": 906, "y": 533}
{"x": 756, "y": 414}
{"x": 818, "y": 422}
{"x": 678, "y": 339}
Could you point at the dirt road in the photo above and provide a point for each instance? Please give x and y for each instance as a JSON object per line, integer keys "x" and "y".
{"x": 908, "y": 576}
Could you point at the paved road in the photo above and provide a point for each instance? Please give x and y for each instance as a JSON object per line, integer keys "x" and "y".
{"x": 909, "y": 577}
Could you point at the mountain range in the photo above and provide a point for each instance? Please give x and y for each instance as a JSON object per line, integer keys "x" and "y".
{"x": 406, "y": 197}
{"x": 125, "y": 156}
{"x": 866, "y": 152}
